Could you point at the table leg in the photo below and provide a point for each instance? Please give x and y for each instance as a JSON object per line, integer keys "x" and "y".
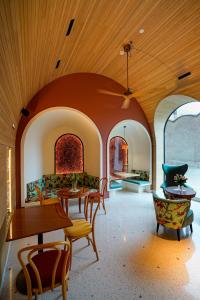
{"x": 67, "y": 205}
{"x": 40, "y": 241}
{"x": 40, "y": 238}
{"x": 79, "y": 204}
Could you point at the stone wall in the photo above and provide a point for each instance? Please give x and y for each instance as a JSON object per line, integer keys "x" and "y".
{"x": 182, "y": 142}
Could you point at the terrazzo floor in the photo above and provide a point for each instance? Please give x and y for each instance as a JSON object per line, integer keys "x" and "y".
{"x": 134, "y": 262}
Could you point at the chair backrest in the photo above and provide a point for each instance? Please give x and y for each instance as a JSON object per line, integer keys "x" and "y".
{"x": 91, "y": 207}
{"x": 171, "y": 171}
{"x": 40, "y": 195}
{"x": 55, "y": 257}
{"x": 170, "y": 213}
{"x": 103, "y": 185}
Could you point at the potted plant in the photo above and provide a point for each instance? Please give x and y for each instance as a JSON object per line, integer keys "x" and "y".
{"x": 180, "y": 180}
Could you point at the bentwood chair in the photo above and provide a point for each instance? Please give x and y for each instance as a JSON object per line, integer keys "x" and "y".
{"x": 44, "y": 201}
{"x": 174, "y": 214}
{"x": 45, "y": 270}
{"x": 102, "y": 183}
{"x": 83, "y": 228}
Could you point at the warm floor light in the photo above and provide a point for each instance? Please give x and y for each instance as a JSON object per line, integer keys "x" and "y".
{"x": 9, "y": 207}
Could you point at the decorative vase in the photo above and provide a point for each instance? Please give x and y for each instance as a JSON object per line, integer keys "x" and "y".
{"x": 74, "y": 185}
{"x": 181, "y": 187}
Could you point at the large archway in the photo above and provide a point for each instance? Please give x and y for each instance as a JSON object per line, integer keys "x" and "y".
{"x": 80, "y": 91}
{"x": 139, "y": 146}
{"x": 163, "y": 111}
{"x": 41, "y": 134}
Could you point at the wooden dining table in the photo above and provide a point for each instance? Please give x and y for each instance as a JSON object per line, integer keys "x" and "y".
{"x": 67, "y": 193}
{"x": 37, "y": 220}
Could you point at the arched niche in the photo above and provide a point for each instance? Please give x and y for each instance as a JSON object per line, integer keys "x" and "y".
{"x": 40, "y": 136}
{"x": 163, "y": 111}
{"x": 80, "y": 91}
{"x": 139, "y": 145}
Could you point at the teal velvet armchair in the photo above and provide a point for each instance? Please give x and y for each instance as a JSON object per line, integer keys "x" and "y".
{"x": 170, "y": 171}
{"x": 173, "y": 214}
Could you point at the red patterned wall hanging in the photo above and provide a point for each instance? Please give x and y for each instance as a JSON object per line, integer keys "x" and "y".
{"x": 68, "y": 154}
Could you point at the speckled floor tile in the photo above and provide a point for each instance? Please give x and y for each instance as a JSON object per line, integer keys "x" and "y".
{"x": 134, "y": 262}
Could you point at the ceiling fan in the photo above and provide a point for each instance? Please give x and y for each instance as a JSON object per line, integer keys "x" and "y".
{"x": 127, "y": 95}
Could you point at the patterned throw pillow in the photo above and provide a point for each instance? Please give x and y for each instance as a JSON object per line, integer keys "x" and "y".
{"x": 144, "y": 175}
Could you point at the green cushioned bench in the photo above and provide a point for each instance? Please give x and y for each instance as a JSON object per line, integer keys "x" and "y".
{"x": 51, "y": 183}
{"x": 115, "y": 185}
{"x": 138, "y": 184}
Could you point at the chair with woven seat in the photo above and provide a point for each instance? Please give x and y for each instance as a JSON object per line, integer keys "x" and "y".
{"x": 82, "y": 228}
{"x": 45, "y": 270}
{"x": 174, "y": 214}
{"x": 47, "y": 201}
{"x": 100, "y": 193}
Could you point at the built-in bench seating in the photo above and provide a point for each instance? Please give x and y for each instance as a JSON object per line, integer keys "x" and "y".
{"x": 138, "y": 184}
{"x": 50, "y": 184}
{"x": 116, "y": 185}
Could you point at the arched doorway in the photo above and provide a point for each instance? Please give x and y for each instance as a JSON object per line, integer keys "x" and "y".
{"x": 40, "y": 136}
{"x": 163, "y": 111}
{"x": 118, "y": 154}
{"x": 138, "y": 147}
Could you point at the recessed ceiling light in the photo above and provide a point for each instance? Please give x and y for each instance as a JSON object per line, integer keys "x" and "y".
{"x": 141, "y": 30}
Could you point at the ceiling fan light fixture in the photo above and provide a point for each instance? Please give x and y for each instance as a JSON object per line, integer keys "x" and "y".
{"x": 128, "y": 47}
{"x": 128, "y": 92}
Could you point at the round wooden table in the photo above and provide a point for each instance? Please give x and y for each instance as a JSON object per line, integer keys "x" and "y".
{"x": 174, "y": 192}
{"x": 68, "y": 193}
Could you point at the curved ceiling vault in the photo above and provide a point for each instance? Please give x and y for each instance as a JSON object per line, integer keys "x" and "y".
{"x": 35, "y": 39}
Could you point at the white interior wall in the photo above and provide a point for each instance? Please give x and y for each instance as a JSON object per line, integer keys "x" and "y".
{"x": 33, "y": 162}
{"x": 90, "y": 142}
{"x": 39, "y": 139}
{"x": 139, "y": 149}
{"x": 139, "y": 145}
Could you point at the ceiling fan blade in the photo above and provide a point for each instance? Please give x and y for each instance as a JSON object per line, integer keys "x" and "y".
{"x": 126, "y": 103}
{"x": 110, "y": 93}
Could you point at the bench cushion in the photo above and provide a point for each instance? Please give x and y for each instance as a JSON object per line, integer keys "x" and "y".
{"x": 115, "y": 185}
{"x": 139, "y": 182}
{"x": 49, "y": 184}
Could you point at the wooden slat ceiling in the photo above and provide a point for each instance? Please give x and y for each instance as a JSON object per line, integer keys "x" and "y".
{"x": 33, "y": 38}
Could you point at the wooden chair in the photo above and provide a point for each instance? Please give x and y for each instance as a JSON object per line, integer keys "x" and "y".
{"x": 44, "y": 201}
{"x": 82, "y": 228}
{"x": 44, "y": 271}
{"x": 101, "y": 192}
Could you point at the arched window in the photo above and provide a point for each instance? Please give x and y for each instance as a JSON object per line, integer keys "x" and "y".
{"x": 68, "y": 154}
{"x": 118, "y": 154}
